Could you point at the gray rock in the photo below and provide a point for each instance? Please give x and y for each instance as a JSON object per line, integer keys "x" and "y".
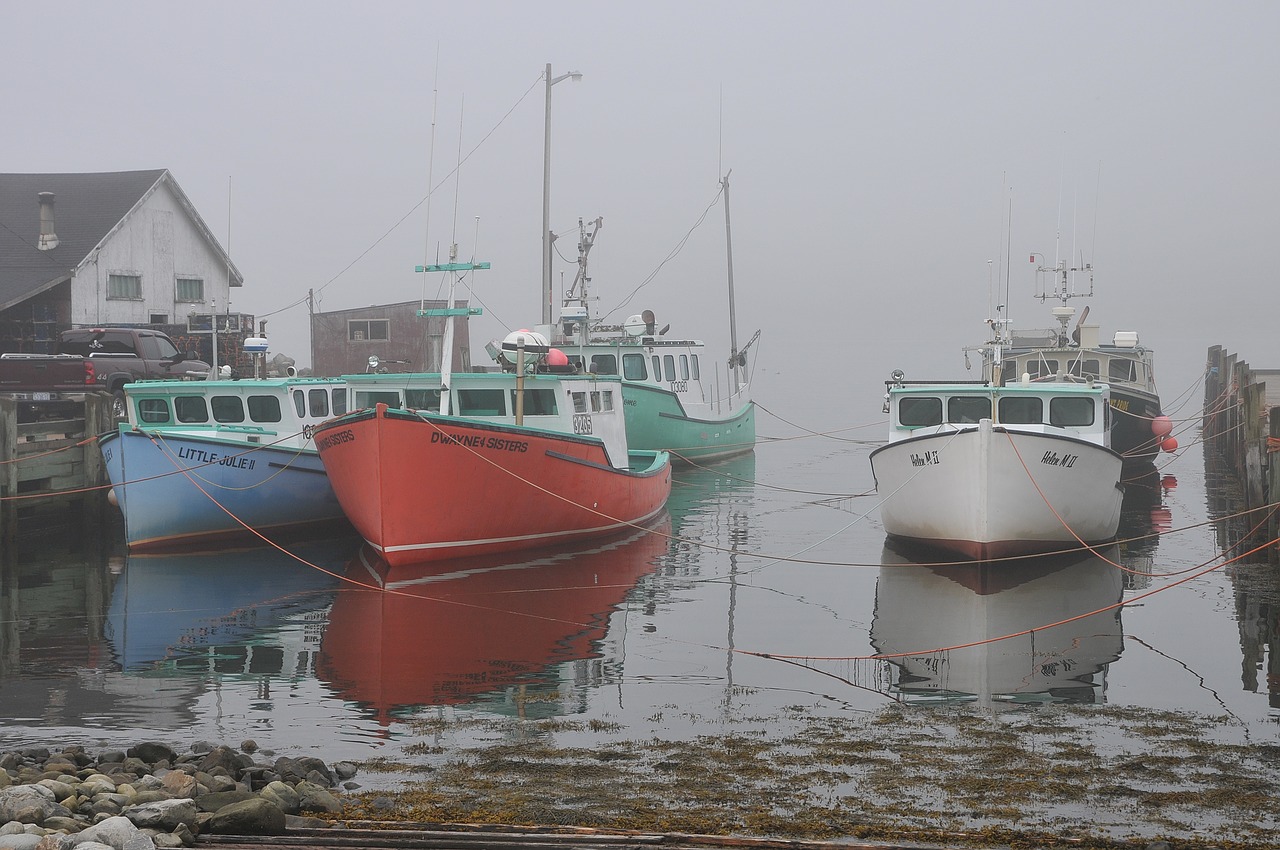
{"x": 19, "y": 841}
{"x": 164, "y": 815}
{"x": 153, "y": 752}
{"x": 116, "y": 833}
{"x": 313, "y": 798}
{"x": 252, "y": 817}
{"x": 283, "y": 795}
{"x": 29, "y": 804}
{"x": 346, "y": 769}
{"x": 216, "y": 800}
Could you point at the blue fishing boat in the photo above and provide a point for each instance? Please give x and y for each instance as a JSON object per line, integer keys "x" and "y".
{"x": 205, "y": 462}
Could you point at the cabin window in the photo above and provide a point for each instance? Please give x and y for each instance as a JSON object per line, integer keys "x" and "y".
{"x": 1071, "y": 412}
{"x": 579, "y": 402}
{"x": 189, "y": 289}
{"x": 657, "y": 368}
{"x": 421, "y": 399}
{"x": 264, "y": 408}
{"x": 1085, "y": 369}
{"x": 966, "y": 409}
{"x": 919, "y": 412}
{"x": 537, "y": 402}
{"x": 1042, "y": 368}
{"x": 633, "y": 367}
{"x": 390, "y": 398}
{"x": 1021, "y": 410}
{"x": 227, "y": 408}
{"x": 595, "y": 401}
{"x": 481, "y": 403}
{"x": 300, "y": 402}
{"x": 1122, "y": 370}
{"x": 191, "y": 408}
{"x": 606, "y": 401}
{"x": 696, "y": 376}
{"x": 669, "y": 367}
{"x": 375, "y": 329}
{"x": 1009, "y": 372}
{"x": 339, "y": 402}
{"x": 684, "y": 367}
{"x": 604, "y": 364}
{"x": 153, "y": 411}
{"x": 127, "y": 286}
{"x": 318, "y": 403}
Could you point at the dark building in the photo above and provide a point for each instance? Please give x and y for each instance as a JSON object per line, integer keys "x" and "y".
{"x": 343, "y": 341}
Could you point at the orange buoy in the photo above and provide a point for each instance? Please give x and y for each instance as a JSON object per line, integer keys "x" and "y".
{"x": 1170, "y": 444}
{"x": 556, "y": 357}
{"x": 1162, "y": 426}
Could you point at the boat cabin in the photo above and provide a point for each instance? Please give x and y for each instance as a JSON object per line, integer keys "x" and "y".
{"x": 265, "y": 407}
{"x": 1123, "y": 363}
{"x": 1082, "y": 410}
{"x": 573, "y": 404}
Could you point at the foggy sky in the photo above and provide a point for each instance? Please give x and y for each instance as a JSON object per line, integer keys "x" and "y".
{"x": 886, "y": 160}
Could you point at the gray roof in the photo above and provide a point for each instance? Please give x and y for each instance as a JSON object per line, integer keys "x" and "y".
{"x": 86, "y": 208}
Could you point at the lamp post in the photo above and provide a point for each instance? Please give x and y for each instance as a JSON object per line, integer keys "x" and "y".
{"x": 547, "y": 296}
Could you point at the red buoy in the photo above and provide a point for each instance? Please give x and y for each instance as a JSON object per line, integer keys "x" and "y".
{"x": 1170, "y": 444}
{"x": 1162, "y": 426}
{"x": 556, "y": 357}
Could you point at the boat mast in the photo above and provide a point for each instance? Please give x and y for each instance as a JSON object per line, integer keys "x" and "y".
{"x": 448, "y": 314}
{"x": 733, "y": 321}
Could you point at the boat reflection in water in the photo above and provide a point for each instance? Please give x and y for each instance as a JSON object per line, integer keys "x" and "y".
{"x": 941, "y": 616}
{"x": 489, "y": 630}
{"x": 255, "y": 611}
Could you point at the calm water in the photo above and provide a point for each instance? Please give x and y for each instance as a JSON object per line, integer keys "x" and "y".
{"x": 776, "y": 554}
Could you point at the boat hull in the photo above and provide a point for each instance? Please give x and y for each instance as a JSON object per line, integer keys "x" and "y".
{"x": 1133, "y": 413}
{"x": 421, "y": 487}
{"x": 990, "y": 492}
{"x": 657, "y": 421}
{"x": 180, "y": 491}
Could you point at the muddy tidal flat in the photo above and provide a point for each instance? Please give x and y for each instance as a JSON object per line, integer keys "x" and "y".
{"x": 1044, "y": 776}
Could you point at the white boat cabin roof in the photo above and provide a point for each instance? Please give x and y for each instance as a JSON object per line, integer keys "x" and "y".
{"x": 1082, "y": 410}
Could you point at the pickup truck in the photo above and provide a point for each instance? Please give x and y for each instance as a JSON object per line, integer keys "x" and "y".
{"x": 93, "y": 360}
{"x": 120, "y": 356}
{"x": 42, "y": 383}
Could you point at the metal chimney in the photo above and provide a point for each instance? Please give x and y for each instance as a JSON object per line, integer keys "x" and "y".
{"x": 48, "y": 239}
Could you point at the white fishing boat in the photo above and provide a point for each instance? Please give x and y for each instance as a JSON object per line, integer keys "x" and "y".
{"x": 991, "y": 471}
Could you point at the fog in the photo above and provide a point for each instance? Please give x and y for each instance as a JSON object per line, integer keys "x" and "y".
{"x": 890, "y": 162}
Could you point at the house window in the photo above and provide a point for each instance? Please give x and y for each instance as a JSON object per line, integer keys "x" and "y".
{"x": 125, "y": 286}
{"x": 158, "y": 319}
{"x": 372, "y": 329}
{"x": 189, "y": 289}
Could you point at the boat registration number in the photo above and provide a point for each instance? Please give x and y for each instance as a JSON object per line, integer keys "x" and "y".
{"x": 679, "y": 386}
{"x": 582, "y": 423}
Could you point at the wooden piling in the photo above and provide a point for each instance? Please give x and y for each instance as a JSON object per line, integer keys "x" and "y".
{"x": 53, "y": 466}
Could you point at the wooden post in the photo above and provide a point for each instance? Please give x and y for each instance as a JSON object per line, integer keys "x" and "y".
{"x": 8, "y": 472}
{"x": 1273, "y": 480}
{"x": 97, "y": 421}
{"x": 1254, "y": 443}
{"x": 1213, "y": 381}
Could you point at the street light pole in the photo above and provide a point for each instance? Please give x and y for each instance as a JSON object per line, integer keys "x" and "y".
{"x": 547, "y": 295}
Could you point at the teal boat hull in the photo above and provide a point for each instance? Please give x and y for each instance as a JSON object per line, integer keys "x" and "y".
{"x": 656, "y": 421}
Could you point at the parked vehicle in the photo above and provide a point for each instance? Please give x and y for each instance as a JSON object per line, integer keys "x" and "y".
{"x": 119, "y": 356}
{"x": 45, "y": 384}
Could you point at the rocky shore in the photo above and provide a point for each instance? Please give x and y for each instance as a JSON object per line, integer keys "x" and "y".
{"x": 153, "y": 797}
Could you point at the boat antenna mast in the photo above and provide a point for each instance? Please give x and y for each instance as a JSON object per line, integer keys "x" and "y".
{"x": 575, "y": 312}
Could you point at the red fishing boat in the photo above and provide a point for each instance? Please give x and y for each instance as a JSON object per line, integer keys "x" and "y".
{"x": 420, "y": 486}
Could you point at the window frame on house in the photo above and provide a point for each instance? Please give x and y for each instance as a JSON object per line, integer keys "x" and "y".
{"x": 116, "y": 281}
{"x": 369, "y": 324}
{"x": 179, "y": 295}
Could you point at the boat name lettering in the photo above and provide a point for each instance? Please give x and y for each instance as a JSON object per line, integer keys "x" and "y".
{"x": 1120, "y": 404}
{"x": 308, "y": 432}
{"x": 202, "y": 456}
{"x": 479, "y": 441}
{"x": 679, "y": 386}
{"x": 1052, "y": 458}
{"x": 582, "y": 423}
{"x": 337, "y": 437}
{"x": 926, "y": 459}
